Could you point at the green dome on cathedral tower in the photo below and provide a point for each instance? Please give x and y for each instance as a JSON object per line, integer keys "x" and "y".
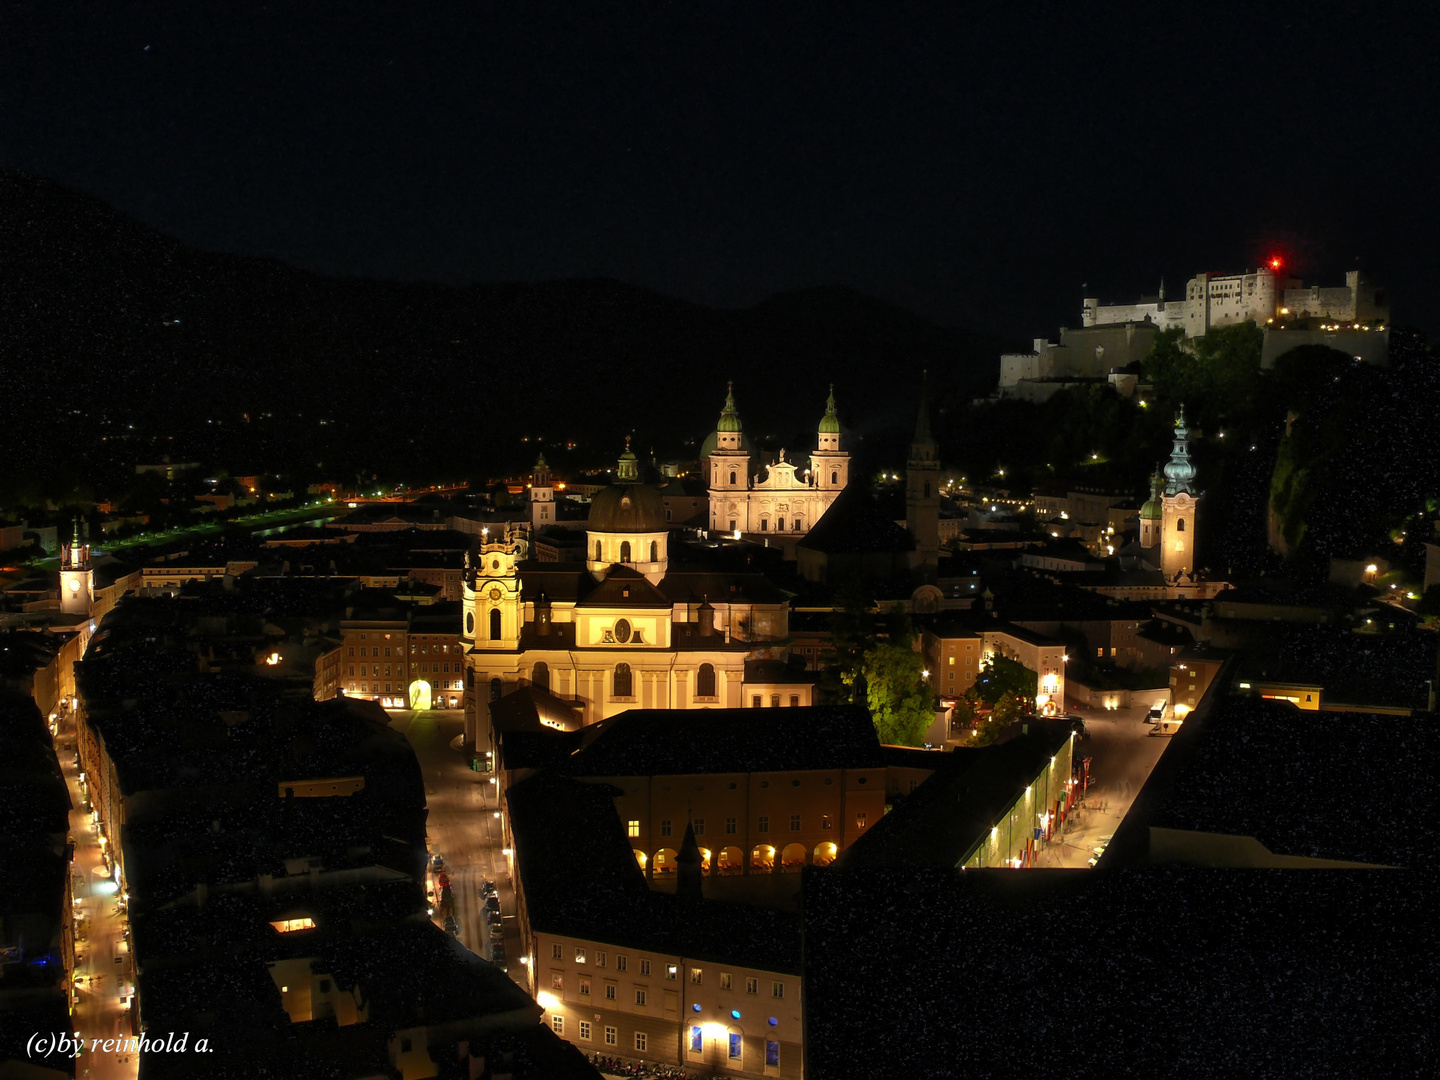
{"x": 830, "y": 423}
{"x": 729, "y": 418}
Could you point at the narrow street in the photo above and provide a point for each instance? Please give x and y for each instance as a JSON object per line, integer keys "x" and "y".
{"x": 463, "y": 825}
{"x": 104, "y": 975}
{"x": 1122, "y": 754}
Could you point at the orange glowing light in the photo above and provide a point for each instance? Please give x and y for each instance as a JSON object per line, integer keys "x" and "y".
{"x": 1275, "y": 263}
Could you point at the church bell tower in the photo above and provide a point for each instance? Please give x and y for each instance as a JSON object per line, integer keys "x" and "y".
{"x": 922, "y": 490}
{"x": 1181, "y": 507}
{"x": 77, "y": 579}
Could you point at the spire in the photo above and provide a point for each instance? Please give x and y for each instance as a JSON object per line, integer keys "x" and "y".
{"x": 1180, "y": 470}
{"x": 922, "y": 446}
{"x": 729, "y": 418}
{"x": 830, "y": 423}
{"x": 689, "y": 868}
{"x": 1154, "y": 508}
{"x": 628, "y": 471}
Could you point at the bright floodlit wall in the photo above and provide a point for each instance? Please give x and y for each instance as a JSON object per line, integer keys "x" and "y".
{"x": 615, "y": 999}
{"x": 1014, "y": 835}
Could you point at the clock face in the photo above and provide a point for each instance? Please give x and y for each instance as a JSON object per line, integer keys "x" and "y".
{"x": 74, "y": 585}
{"x": 494, "y": 594}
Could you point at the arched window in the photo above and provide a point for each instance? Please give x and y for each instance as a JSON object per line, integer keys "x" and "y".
{"x": 834, "y": 478}
{"x": 705, "y": 681}
{"x": 496, "y": 689}
{"x": 599, "y": 557}
{"x": 495, "y": 634}
{"x": 540, "y": 675}
{"x": 732, "y": 477}
{"x": 1179, "y": 524}
{"x": 624, "y": 682}
{"x": 779, "y": 524}
{"x": 654, "y": 551}
{"x": 625, "y": 551}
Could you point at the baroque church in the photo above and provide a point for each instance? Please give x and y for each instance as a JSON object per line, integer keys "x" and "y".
{"x": 636, "y": 624}
{"x": 786, "y": 499}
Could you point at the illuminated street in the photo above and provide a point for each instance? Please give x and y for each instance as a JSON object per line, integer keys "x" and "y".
{"x": 104, "y": 975}
{"x": 462, "y": 825}
{"x": 1122, "y": 754}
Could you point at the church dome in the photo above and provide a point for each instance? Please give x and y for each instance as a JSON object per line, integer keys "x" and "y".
{"x": 729, "y": 418}
{"x": 1154, "y": 507}
{"x": 627, "y": 506}
{"x": 830, "y": 423}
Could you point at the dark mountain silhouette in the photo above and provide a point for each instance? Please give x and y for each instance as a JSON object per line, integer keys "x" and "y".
{"x": 119, "y": 344}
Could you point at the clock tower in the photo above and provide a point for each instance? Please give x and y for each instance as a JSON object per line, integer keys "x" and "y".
{"x": 1181, "y": 505}
{"x": 77, "y": 579}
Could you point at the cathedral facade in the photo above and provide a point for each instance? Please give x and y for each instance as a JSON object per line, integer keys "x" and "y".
{"x": 788, "y": 498}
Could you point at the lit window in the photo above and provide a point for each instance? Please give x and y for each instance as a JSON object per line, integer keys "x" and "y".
{"x": 724, "y": 980}
{"x": 584, "y": 986}
{"x": 671, "y": 971}
{"x": 772, "y": 1054}
{"x": 579, "y": 955}
{"x": 557, "y": 1023}
{"x": 697, "y": 1039}
{"x": 557, "y": 981}
{"x": 633, "y": 827}
{"x": 860, "y": 820}
{"x": 286, "y": 926}
{"x": 696, "y": 976}
{"x": 600, "y": 959}
{"x": 735, "y": 1046}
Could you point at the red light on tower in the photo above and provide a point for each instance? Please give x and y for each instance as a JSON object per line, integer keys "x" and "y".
{"x": 1275, "y": 262}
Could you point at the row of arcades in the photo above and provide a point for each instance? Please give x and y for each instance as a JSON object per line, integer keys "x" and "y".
{"x": 731, "y": 861}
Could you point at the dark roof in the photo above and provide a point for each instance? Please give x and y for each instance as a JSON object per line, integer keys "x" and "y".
{"x": 854, "y": 523}
{"x": 1294, "y": 780}
{"x": 940, "y": 823}
{"x": 526, "y": 709}
{"x": 579, "y": 878}
{"x": 625, "y": 587}
{"x": 649, "y": 742}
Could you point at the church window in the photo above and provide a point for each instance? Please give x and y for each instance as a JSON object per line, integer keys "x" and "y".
{"x": 705, "y": 681}
{"x": 1179, "y": 524}
{"x": 780, "y": 524}
{"x": 598, "y": 555}
{"x": 624, "y": 683}
{"x": 495, "y": 634}
{"x": 655, "y": 548}
{"x": 795, "y": 525}
{"x": 625, "y": 551}
{"x": 834, "y": 478}
{"x": 540, "y": 675}
{"x": 469, "y": 624}
{"x": 763, "y": 523}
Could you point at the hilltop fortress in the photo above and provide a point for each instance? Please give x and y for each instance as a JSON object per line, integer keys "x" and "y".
{"x": 1352, "y": 318}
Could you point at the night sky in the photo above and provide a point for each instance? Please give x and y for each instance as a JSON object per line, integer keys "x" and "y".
{"x": 977, "y": 164}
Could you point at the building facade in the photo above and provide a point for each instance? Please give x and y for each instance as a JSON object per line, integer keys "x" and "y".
{"x": 786, "y": 499}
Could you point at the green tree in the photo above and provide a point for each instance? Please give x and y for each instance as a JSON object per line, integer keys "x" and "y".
{"x": 854, "y": 633}
{"x": 900, "y": 700}
{"x": 1007, "y": 709}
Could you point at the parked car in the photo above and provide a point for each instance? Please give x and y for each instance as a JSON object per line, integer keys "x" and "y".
{"x": 438, "y": 862}
{"x": 492, "y": 902}
{"x": 487, "y": 888}
{"x": 493, "y": 917}
{"x": 1156, "y": 714}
